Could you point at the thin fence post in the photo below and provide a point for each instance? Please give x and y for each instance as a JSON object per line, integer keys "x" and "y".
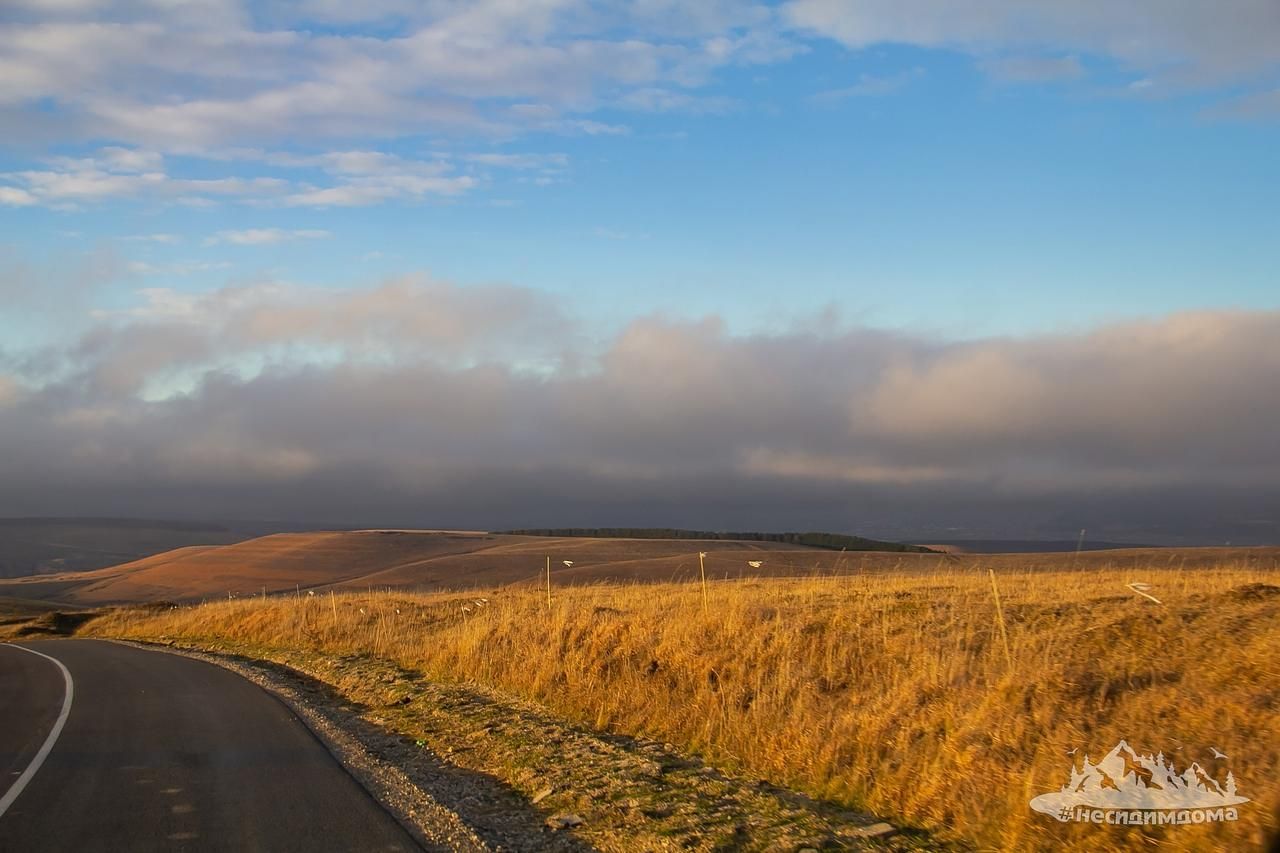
{"x": 1004, "y": 634}
{"x": 702, "y": 569}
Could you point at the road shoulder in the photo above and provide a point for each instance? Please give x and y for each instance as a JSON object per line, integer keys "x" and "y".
{"x": 501, "y": 774}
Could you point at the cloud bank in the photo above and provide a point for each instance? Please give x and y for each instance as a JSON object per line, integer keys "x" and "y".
{"x": 419, "y": 401}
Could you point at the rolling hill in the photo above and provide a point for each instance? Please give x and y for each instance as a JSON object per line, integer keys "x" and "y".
{"x": 441, "y": 559}
{"x": 414, "y": 559}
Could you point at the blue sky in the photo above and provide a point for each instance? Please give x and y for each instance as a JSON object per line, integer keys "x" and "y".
{"x": 945, "y": 186}
{"x": 179, "y": 181}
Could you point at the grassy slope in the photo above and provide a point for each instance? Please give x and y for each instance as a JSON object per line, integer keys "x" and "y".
{"x": 413, "y": 559}
{"x": 886, "y": 692}
{"x": 277, "y": 562}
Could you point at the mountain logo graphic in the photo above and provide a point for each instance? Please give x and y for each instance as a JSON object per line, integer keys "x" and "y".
{"x": 1126, "y": 787}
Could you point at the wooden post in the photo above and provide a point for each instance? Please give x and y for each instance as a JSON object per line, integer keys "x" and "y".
{"x": 548, "y": 582}
{"x": 702, "y": 569}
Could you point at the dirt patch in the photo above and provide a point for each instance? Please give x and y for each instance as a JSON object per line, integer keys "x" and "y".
{"x": 1255, "y": 592}
{"x": 55, "y": 624}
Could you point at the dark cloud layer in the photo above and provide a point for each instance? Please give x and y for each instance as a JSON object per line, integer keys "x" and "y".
{"x": 422, "y": 402}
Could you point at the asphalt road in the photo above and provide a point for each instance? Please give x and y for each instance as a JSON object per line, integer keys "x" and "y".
{"x": 161, "y": 752}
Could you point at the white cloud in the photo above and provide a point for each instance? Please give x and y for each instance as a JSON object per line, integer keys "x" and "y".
{"x": 181, "y": 268}
{"x": 1186, "y": 43}
{"x": 265, "y": 236}
{"x": 203, "y": 74}
{"x": 169, "y": 77}
{"x": 359, "y": 192}
{"x": 358, "y": 177}
{"x": 113, "y": 173}
{"x": 16, "y": 197}
{"x": 131, "y": 160}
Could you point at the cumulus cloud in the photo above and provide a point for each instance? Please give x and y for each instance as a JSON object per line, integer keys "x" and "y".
{"x": 409, "y": 318}
{"x": 422, "y": 400}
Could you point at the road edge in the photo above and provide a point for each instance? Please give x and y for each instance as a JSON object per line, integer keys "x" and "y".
{"x": 37, "y": 761}
{"x": 432, "y": 825}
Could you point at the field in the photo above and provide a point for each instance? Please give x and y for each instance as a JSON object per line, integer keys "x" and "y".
{"x": 927, "y": 692}
{"x": 421, "y": 560}
{"x": 416, "y": 559}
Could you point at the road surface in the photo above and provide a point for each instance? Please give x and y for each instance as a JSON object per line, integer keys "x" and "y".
{"x": 136, "y": 750}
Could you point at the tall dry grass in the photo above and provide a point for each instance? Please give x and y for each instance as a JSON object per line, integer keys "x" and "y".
{"x": 891, "y": 692}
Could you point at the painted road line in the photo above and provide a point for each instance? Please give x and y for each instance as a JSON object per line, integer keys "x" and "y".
{"x": 47, "y": 746}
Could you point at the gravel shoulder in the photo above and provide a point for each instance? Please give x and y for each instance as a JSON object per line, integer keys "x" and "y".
{"x": 464, "y": 768}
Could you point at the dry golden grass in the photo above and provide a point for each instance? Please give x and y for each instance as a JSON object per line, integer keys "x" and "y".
{"x": 886, "y": 691}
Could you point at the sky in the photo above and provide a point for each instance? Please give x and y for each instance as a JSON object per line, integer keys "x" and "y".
{"x": 911, "y": 269}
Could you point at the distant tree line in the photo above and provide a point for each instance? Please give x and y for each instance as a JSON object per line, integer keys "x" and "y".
{"x": 831, "y": 541}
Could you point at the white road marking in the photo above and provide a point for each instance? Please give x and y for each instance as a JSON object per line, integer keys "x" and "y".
{"x": 47, "y": 746}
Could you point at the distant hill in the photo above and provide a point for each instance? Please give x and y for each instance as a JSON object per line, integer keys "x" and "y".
{"x": 1025, "y": 546}
{"x": 427, "y": 559}
{"x": 30, "y": 546}
{"x": 298, "y": 563}
{"x": 827, "y": 541}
